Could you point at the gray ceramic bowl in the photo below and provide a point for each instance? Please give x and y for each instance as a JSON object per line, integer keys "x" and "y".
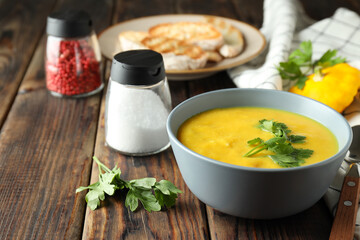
{"x": 254, "y": 192}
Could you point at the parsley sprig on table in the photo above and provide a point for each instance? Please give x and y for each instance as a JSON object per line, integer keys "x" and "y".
{"x": 300, "y": 65}
{"x": 153, "y": 195}
{"x": 285, "y": 154}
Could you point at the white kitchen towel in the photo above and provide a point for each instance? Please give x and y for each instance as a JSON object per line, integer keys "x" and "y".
{"x": 285, "y": 26}
{"x": 282, "y": 18}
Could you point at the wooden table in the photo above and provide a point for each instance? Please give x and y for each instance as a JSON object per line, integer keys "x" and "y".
{"x": 47, "y": 143}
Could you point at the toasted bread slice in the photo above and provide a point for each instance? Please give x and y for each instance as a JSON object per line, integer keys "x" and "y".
{"x": 177, "y": 55}
{"x": 201, "y": 34}
{"x": 234, "y": 39}
{"x": 131, "y": 40}
{"x": 214, "y": 56}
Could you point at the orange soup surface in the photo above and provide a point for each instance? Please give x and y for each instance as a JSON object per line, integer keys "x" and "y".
{"x": 222, "y": 134}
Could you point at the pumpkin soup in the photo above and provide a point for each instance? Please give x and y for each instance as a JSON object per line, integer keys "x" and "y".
{"x": 223, "y": 134}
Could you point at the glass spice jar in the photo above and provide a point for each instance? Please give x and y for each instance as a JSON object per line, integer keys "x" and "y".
{"x": 138, "y": 103}
{"x": 72, "y": 59}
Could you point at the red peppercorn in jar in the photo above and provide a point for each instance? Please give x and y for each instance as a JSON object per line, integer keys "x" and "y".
{"x": 73, "y": 58}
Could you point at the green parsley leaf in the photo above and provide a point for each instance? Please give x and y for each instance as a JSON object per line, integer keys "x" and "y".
{"x": 300, "y": 65}
{"x": 143, "y": 183}
{"x": 301, "y": 81}
{"x": 259, "y": 146}
{"x": 106, "y": 184}
{"x": 276, "y": 128}
{"x": 293, "y": 159}
{"x": 165, "y": 200}
{"x": 296, "y": 139}
{"x": 329, "y": 59}
{"x": 285, "y": 160}
{"x": 302, "y": 154}
{"x": 146, "y": 198}
{"x": 152, "y": 195}
{"x": 166, "y": 193}
{"x": 266, "y": 125}
{"x": 302, "y": 56}
{"x": 131, "y": 201}
{"x": 105, "y": 181}
{"x": 285, "y": 154}
{"x": 167, "y": 187}
{"x": 289, "y": 70}
{"x": 279, "y": 145}
{"x": 255, "y": 141}
{"x": 94, "y": 196}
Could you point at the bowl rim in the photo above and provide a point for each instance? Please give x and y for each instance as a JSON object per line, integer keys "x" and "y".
{"x": 340, "y": 152}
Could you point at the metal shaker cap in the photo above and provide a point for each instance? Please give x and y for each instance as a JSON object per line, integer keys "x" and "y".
{"x": 138, "y": 67}
{"x": 69, "y": 23}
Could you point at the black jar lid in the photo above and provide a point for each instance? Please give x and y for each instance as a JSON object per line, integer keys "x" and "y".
{"x": 69, "y": 23}
{"x": 137, "y": 67}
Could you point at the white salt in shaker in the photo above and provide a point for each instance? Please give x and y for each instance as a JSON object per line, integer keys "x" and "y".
{"x": 138, "y": 103}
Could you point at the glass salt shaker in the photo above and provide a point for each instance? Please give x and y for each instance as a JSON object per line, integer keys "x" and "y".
{"x": 72, "y": 58}
{"x": 138, "y": 103}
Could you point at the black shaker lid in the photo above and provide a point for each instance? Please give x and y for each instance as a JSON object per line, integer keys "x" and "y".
{"x": 137, "y": 67}
{"x": 69, "y": 23}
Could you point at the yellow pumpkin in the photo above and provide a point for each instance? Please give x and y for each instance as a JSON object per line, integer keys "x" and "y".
{"x": 335, "y": 86}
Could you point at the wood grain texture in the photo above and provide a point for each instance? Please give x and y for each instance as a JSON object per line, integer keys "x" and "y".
{"x": 46, "y": 144}
{"x": 313, "y": 223}
{"x": 17, "y": 44}
{"x": 36, "y": 162}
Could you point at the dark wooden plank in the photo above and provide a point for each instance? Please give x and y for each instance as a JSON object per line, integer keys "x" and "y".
{"x": 43, "y": 142}
{"x": 46, "y": 145}
{"x": 126, "y": 10}
{"x": 236, "y": 9}
{"x": 313, "y": 223}
{"x": 17, "y": 44}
